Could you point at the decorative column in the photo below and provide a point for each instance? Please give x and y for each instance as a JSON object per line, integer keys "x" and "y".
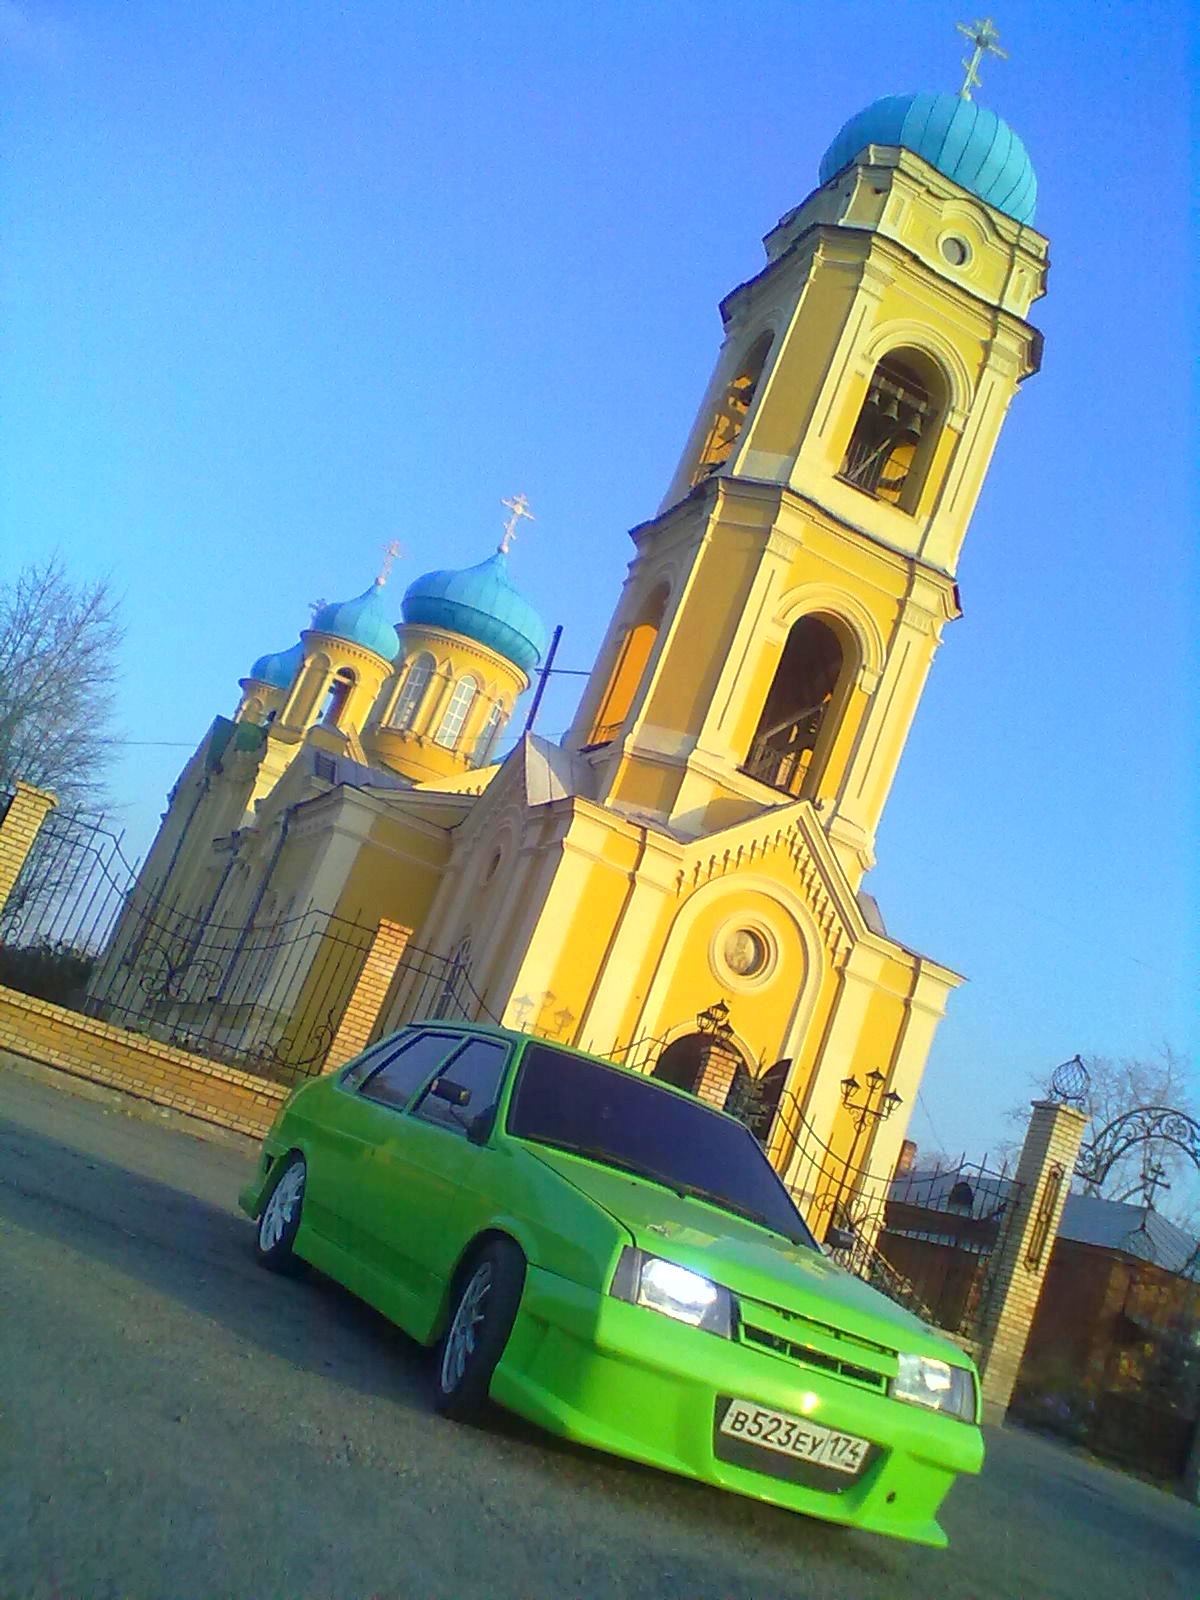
{"x": 1043, "y": 1182}
{"x": 19, "y": 825}
{"x": 366, "y": 1002}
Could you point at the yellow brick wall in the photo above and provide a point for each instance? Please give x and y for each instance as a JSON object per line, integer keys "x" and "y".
{"x": 18, "y": 830}
{"x": 167, "y": 1076}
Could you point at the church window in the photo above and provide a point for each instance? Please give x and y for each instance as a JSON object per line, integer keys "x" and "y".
{"x": 734, "y": 407}
{"x": 892, "y": 439}
{"x": 456, "y": 712}
{"x": 336, "y": 698}
{"x": 632, "y": 655}
{"x": 783, "y": 752}
{"x": 488, "y": 734}
{"x": 408, "y": 702}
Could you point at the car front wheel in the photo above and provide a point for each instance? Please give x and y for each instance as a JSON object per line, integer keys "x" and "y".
{"x": 280, "y": 1216}
{"x": 483, "y": 1310}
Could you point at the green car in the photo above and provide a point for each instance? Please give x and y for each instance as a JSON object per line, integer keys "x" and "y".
{"x": 618, "y": 1262}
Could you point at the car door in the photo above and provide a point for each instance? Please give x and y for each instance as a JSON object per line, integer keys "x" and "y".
{"x": 369, "y": 1096}
{"x": 420, "y": 1170}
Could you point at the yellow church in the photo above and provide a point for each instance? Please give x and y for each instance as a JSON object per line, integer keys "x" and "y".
{"x": 687, "y": 863}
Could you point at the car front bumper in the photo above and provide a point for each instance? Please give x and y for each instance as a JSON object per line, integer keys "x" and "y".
{"x": 621, "y": 1378}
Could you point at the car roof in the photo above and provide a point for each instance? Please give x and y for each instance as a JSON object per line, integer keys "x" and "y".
{"x": 493, "y": 1030}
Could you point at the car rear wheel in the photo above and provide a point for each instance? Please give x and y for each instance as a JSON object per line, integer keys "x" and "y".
{"x": 280, "y": 1216}
{"x": 483, "y": 1310}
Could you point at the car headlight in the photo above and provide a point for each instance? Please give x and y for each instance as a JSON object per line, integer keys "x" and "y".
{"x": 674, "y": 1291}
{"x": 924, "y": 1381}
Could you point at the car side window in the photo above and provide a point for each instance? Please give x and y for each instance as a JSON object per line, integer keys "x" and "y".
{"x": 373, "y": 1057}
{"x": 396, "y": 1081}
{"x": 478, "y": 1068}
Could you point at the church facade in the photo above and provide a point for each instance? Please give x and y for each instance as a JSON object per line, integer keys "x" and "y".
{"x": 695, "y": 847}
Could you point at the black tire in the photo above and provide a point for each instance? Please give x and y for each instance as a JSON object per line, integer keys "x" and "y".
{"x": 488, "y": 1290}
{"x": 279, "y": 1219}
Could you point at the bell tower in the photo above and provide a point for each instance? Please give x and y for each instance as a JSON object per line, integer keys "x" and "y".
{"x": 783, "y": 608}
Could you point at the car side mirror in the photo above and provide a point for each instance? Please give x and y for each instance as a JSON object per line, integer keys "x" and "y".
{"x": 479, "y": 1129}
{"x": 447, "y": 1089}
{"x": 841, "y": 1239}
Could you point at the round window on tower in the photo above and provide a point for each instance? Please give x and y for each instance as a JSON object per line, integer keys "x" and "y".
{"x": 956, "y": 250}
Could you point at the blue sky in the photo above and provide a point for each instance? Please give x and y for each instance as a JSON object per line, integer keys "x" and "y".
{"x": 282, "y": 282}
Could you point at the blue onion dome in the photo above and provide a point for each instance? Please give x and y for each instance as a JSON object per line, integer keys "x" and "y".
{"x": 280, "y": 668}
{"x": 363, "y": 621}
{"x": 965, "y": 141}
{"x": 481, "y": 604}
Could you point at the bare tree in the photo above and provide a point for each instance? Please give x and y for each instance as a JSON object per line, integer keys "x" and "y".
{"x": 58, "y": 660}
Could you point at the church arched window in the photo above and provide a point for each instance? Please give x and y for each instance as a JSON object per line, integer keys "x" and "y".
{"x": 730, "y": 415}
{"x": 488, "y": 734}
{"x": 784, "y": 749}
{"x": 892, "y": 442}
{"x": 408, "y": 701}
{"x": 336, "y": 698}
{"x": 456, "y": 712}
{"x": 633, "y": 653}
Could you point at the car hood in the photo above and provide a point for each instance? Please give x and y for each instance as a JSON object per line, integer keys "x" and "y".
{"x": 753, "y": 1262}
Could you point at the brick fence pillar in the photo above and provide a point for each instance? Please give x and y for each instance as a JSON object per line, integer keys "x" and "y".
{"x": 1044, "y": 1172}
{"x": 719, "y": 1067}
{"x": 19, "y": 825}
{"x": 370, "y": 992}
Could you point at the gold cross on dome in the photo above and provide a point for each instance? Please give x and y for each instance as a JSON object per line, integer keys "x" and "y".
{"x": 983, "y": 35}
{"x": 519, "y": 507}
{"x": 391, "y": 552}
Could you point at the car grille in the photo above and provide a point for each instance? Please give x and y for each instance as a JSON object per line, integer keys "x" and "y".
{"x": 827, "y": 1349}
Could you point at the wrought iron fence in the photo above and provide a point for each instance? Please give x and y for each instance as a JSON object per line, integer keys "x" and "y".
{"x": 927, "y": 1238}
{"x": 266, "y": 997}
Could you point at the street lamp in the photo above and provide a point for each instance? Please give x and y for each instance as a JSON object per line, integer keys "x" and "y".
{"x": 868, "y": 1104}
{"x": 715, "y": 1021}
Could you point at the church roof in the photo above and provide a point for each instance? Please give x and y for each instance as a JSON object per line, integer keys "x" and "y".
{"x": 363, "y": 621}
{"x": 963, "y": 140}
{"x": 480, "y": 603}
{"x": 280, "y": 667}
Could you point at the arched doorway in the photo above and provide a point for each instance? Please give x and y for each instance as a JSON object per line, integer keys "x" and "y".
{"x": 686, "y": 1060}
{"x": 682, "y": 1062}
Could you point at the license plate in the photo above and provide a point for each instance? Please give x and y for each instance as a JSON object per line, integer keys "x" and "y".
{"x": 794, "y": 1436}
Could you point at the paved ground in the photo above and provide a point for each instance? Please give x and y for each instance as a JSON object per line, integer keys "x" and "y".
{"x": 176, "y": 1423}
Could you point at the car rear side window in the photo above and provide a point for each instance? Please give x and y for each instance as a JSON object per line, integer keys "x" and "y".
{"x": 396, "y": 1081}
{"x": 478, "y": 1068}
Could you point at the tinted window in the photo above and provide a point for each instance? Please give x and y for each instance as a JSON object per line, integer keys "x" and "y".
{"x": 630, "y": 1122}
{"x": 478, "y": 1068}
{"x": 395, "y": 1083}
{"x": 374, "y": 1057}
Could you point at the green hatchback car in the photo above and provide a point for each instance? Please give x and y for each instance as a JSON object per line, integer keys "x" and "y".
{"x": 618, "y": 1262}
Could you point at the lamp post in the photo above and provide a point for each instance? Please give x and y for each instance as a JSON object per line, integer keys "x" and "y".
{"x": 869, "y": 1104}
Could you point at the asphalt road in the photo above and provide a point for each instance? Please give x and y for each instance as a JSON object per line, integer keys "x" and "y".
{"x": 174, "y": 1422}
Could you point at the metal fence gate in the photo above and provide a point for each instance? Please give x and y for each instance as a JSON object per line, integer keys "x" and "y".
{"x": 928, "y": 1238}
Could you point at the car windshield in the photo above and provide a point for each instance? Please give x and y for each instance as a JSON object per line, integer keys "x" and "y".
{"x": 623, "y": 1120}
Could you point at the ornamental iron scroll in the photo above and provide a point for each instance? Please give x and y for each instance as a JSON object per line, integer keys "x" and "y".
{"x": 1142, "y": 1125}
{"x": 1040, "y": 1232}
